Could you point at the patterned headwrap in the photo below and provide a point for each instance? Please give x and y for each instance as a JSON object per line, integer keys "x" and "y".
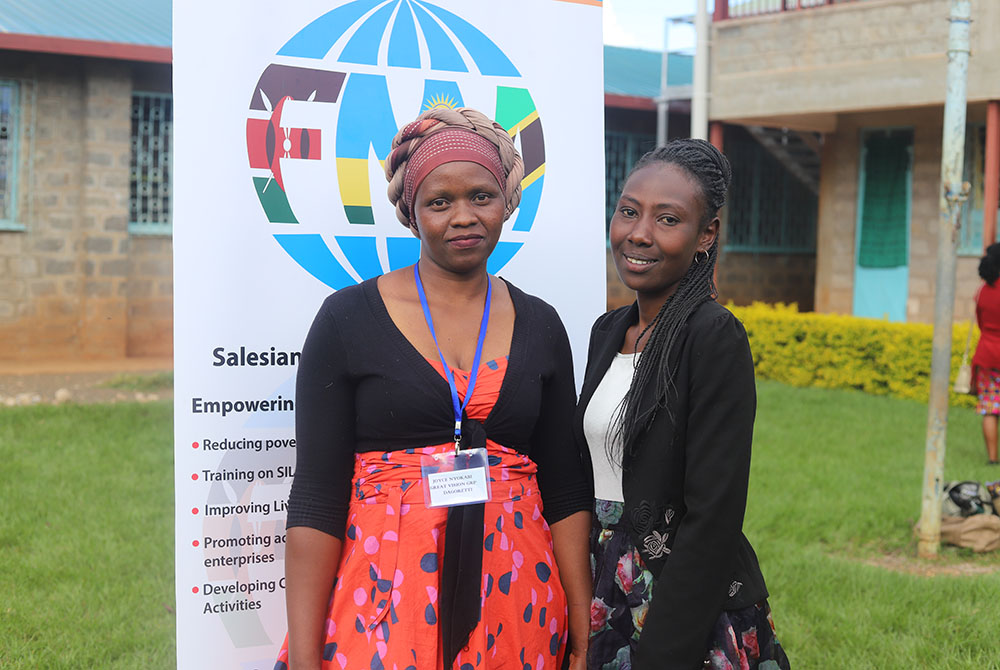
{"x": 446, "y": 146}
{"x": 440, "y": 136}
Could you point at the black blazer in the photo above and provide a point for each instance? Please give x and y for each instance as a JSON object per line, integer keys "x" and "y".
{"x": 685, "y": 486}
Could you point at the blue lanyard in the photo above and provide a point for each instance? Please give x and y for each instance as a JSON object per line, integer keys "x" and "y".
{"x": 459, "y": 408}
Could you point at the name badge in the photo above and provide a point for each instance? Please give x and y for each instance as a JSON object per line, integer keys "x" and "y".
{"x": 451, "y": 478}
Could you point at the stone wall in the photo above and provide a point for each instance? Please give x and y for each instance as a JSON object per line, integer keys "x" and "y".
{"x": 851, "y": 56}
{"x": 748, "y": 277}
{"x": 72, "y": 282}
{"x": 150, "y": 296}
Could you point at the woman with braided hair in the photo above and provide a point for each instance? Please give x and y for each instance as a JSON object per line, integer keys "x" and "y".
{"x": 667, "y": 410}
{"x": 432, "y": 406}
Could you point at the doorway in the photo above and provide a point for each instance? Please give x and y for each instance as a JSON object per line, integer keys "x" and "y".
{"x": 881, "y": 275}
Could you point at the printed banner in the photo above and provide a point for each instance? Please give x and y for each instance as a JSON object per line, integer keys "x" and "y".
{"x": 283, "y": 117}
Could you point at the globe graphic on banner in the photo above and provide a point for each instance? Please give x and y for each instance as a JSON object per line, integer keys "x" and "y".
{"x": 324, "y": 112}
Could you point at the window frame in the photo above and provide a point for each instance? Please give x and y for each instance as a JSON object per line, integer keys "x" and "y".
{"x": 16, "y": 131}
{"x": 151, "y": 228}
{"x": 753, "y": 242}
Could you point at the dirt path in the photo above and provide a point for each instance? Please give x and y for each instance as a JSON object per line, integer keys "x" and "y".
{"x": 33, "y": 382}
{"x": 928, "y": 568}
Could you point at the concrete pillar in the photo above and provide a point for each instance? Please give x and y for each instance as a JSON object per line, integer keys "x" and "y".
{"x": 102, "y": 248}
{"x": 991, "y": 177}
{"x": 699, "y": 97}
{"x": 716, "y": 131}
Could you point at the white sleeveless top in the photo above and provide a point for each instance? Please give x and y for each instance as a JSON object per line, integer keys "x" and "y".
{"x": 598, "y": 430}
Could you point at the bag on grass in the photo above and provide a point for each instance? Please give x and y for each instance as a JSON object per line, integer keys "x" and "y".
{"x": 980, "y": 533}
{"x": 965, "y": 499}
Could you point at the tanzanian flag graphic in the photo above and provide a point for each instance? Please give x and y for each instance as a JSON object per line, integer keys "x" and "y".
{"x": 516, "y": 112}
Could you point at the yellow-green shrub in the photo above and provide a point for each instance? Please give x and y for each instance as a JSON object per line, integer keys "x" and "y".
{"x": 836, "y": 351}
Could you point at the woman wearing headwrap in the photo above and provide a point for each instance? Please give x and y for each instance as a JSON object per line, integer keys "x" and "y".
{"x": 425, "y": 366}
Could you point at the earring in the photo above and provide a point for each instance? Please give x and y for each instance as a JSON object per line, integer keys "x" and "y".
{"x": 700, "y": 251}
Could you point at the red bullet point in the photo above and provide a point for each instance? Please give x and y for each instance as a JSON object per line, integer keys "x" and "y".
{"x": 194, "y": 476}
{"x": 194, "y": 510}
{"x": 195, "y": 543}
{"x": 194, "y": 445}
{"x": 194, "y": 590}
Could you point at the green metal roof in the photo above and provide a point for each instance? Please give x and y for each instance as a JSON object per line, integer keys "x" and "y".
{"x": 637, "y": 71}
{"x": 144, "y": 22}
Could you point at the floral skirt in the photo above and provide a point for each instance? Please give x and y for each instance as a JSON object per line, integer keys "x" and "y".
{"x": 623, "y": 587}
{"x": 987, "y": 390}
{"x": 383, "y": 612}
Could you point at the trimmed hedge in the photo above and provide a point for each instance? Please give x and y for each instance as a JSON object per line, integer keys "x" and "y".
{"x": 836, "y": 351}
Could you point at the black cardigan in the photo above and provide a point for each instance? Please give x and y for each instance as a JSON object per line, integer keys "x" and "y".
{"x": 362, "y": 386}
{"x": 686, "y": 486}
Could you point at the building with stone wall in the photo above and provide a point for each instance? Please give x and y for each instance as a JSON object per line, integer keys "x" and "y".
{"x": 85, "y": 248}
{"x": 763, "y": 257}
{"x": 859, "y": 86}
{"x": 85, "y": 234}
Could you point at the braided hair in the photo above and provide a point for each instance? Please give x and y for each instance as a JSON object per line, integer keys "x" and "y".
{"x": 989, "y": 264}
{"x": 710, "y": 169}
{"x": 410, "y": 136}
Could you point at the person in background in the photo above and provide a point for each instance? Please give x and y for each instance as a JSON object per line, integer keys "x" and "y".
{"x": 667, "y": 409}
{"x": 986, "y": 360}
{"x": 399, "y": 375}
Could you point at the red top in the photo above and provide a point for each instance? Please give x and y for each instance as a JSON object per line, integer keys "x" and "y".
{"x": 988, "y": 316}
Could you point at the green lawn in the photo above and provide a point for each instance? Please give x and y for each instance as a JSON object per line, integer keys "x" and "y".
{"x": 86, "y": 537}
{"x": 86, "y": 540}
{"x": 836, "y": 481}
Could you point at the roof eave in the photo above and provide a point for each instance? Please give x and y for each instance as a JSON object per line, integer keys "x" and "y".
{"x": 629, "y": 101}
{"x": 75, "y": 47}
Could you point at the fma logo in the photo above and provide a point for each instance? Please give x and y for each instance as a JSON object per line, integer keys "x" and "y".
{"x": 326, "y": 110}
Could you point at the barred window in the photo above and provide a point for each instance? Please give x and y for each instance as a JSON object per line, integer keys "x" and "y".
{"x": 150, "y": 174}
{"x": 769, "y": 209}
{"x": 10, "y": 135}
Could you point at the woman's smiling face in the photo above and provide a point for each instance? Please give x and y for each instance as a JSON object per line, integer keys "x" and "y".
{"x": 658, "y": 228}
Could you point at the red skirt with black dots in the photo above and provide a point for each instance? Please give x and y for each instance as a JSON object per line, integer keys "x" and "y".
{"x": 987, "y": 390}
{"x": 383, "y": 612}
